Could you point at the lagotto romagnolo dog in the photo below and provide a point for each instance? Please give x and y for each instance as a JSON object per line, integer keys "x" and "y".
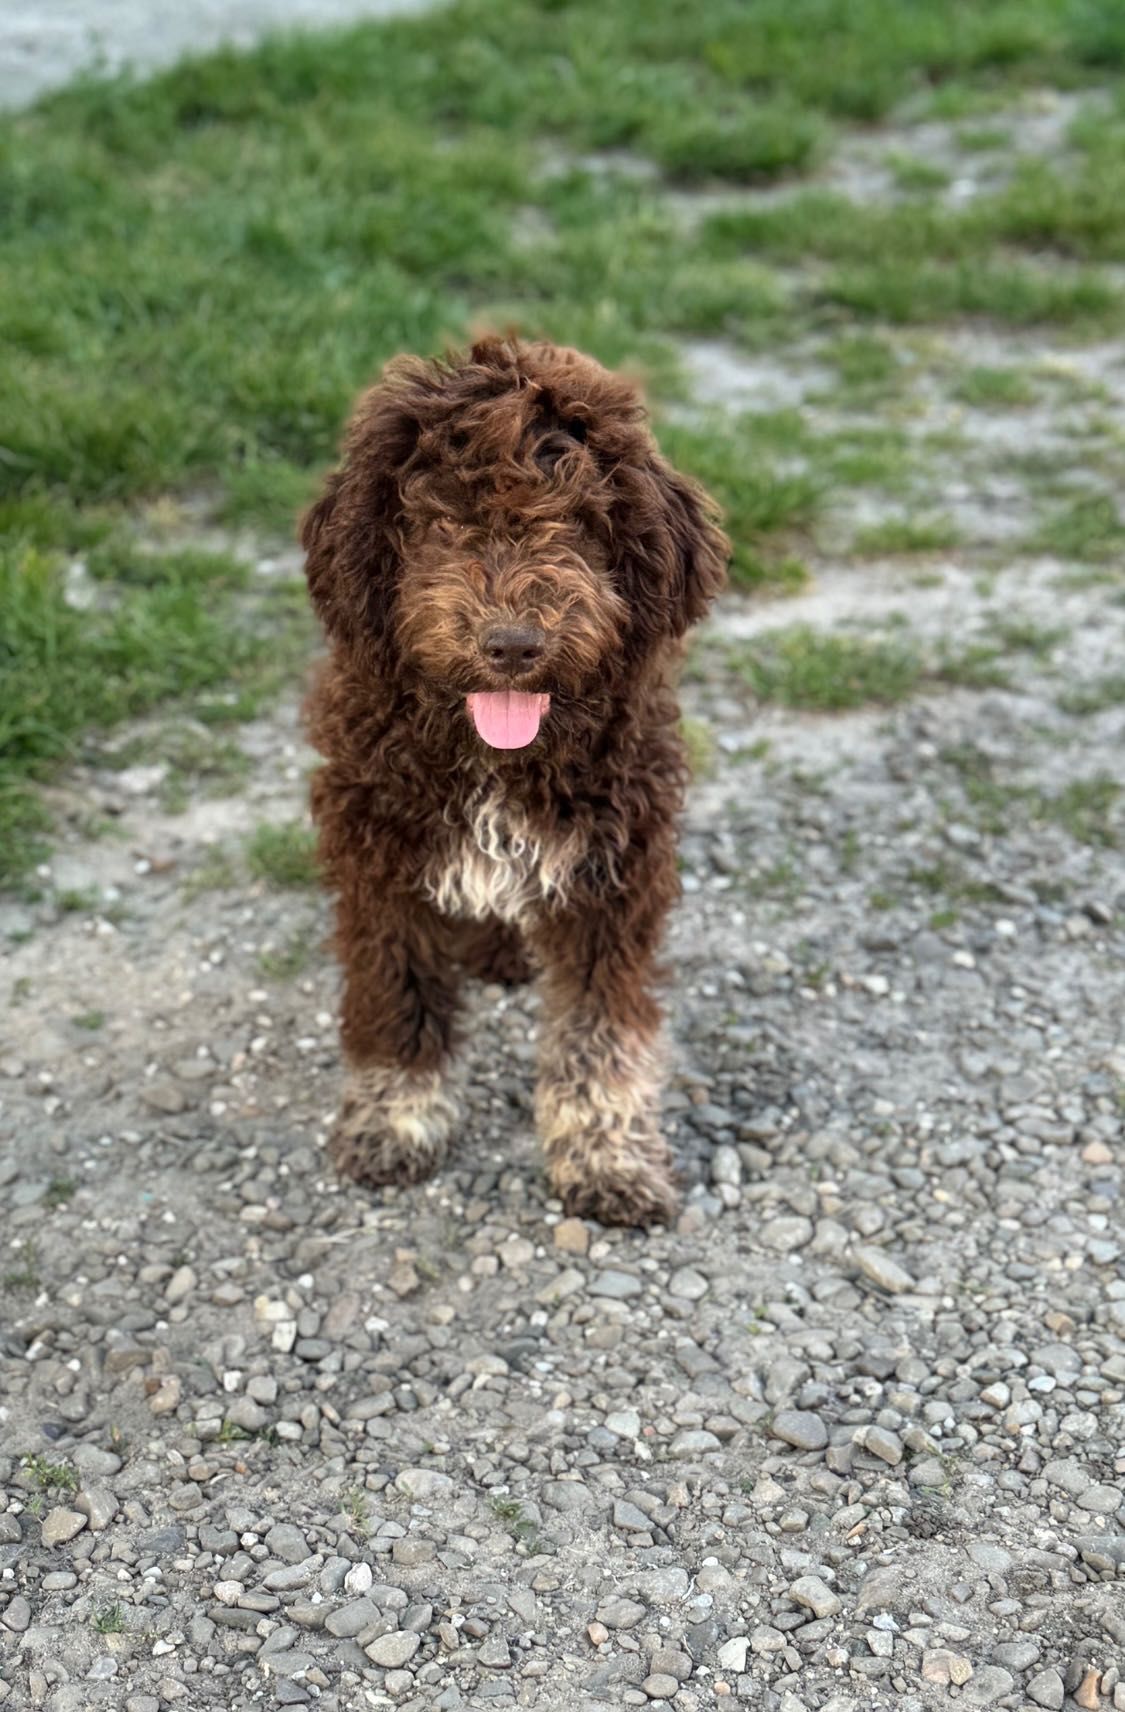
{"x": 505, "y": 567}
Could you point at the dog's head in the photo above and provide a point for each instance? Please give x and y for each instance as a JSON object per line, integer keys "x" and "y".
{"x": 503, "y": 530}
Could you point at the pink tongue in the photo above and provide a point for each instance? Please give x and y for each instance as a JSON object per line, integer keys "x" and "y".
{"x": 507, "y": 719}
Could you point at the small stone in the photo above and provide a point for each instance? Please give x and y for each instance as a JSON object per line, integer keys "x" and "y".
{"x": 623, "y": 1424}
{"x": 629, "y": 1519}
{"x": 359, "y": 1579}
{"x": 61, "y": 1525}
{"x": 493, "y": 1653}
{"x": 165, "y": 1400}
{"x": 814, "y": 1595}
{"x": 1047, "y": 1690}
{"x": 287, "y": 1542}
{"x": 799, "y": 1428}
{"x": 98, "y": 1505}
{"x": 876, "y": 1264}
{"x": 394, "y": 1650}
{"x": 986, "y": 1685}
{"x": 17, "y": 1616}
{"x": 619, "y": 1613}
{"x": 881, "y": 1442}
{"x": 572, "y": 1236}
{"x": 248, "y": 1415}
{"x": 1086, "y": 1694}
{"x": 693, "y": 1442}
{"x": 597, "y": 1634}
{"x": 732, "y": 1654}
{"x": 617, "y": 1286}
{"x": 785, "y": 1235}
{"x": 423, "y": 1483}
{"x": 181, "y": 1284}
{"x": 351, "y": 1620}
{"x": 659, "y": 1687}
{"x": 688, "y": 1284}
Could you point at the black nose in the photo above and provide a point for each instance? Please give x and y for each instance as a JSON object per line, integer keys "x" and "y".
{"x": 513, "y": 648}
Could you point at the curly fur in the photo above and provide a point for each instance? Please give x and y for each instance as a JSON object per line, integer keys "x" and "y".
{"x": 516, "y": 485}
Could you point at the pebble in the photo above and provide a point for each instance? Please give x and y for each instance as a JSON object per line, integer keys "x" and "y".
{"x": 877, "y": 1264}
{"x": 814, "y": 1595}
{"x": 61, "y": 1525}
{"x": 800, "y": 1428}
{"x": 1046, "y": 1689}
{"x": 394, "y": 1650}
{"x": 617, "y": 1286}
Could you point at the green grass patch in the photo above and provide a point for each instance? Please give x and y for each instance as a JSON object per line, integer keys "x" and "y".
{"x": 283, "y": 855}
{"x": 896, "y": 535}
{"x": 1089, "y": 529}
{"x": 64, "y": 669}
{"x": 822, "y": 673}
{"x": 767, "y": 505}
{"x": 1096, "y": 696}
{"x": 913, "y": 173}
{"x": 994, "y": 389}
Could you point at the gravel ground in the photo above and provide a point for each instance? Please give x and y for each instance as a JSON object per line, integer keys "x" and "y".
{"x": 849, "y": 1438}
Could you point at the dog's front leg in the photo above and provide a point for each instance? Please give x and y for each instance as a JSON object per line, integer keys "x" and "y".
{"x": 597, "y": 1100}
{"x": 397, "y": 1027}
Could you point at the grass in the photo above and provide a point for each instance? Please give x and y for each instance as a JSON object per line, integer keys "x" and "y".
{"x": 110, "y": 1620}
{"x": 197, "y": 272}
{"x": 906, "y": 535}
{"x": 1089, "y": 529}
{"x": 823, "y": 673}
{"x": 24, "y": 1278}
{"x": 50, "y": 1476}
{"x": 1096, "y": 695}
{"x": 283, "y": 855}
{"x": 986, "y": 388}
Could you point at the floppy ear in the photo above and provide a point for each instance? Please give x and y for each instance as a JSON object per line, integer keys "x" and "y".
{"x": 671, "y": 555}
{"x": 352, "y": 533}
{"x": 700, "y": 549}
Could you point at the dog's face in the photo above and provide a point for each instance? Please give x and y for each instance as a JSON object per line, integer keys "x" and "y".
{"x": 504, "y": 532}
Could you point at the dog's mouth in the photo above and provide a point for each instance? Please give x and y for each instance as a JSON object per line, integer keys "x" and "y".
{"x": 507, "y": 719}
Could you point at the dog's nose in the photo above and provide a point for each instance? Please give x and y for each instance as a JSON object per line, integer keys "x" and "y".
{"x": 513, "y": 648}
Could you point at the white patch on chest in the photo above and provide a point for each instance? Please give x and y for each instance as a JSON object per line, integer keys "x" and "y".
{"x": 499, "y": 868}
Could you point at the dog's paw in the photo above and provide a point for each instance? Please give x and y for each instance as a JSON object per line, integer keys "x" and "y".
{"x": 643, "y": 1195}
{"x": 392, "y": 1128}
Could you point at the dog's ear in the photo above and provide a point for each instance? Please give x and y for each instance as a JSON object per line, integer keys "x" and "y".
{"x": 671, "y": 554}
{"x": 352, "y": 533}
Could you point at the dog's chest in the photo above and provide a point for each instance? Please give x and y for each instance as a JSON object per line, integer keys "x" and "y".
{"x": 497, "y": 866}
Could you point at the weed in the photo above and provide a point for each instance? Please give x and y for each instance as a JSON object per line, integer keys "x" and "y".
{"x": 510, "y": 1512}
{"x": 24, "y": 1277}
{"x": 354, "y": 1501}
{"x": 110, "y": 1620}
{"x": 59, "y": 1191}
{"x": 216, "y": 872}
{"x": 50, "y": 1476}
{"x": 282, "y": 963}
{"x": 89, "y": 1020}
{"x": 283, "y": 855}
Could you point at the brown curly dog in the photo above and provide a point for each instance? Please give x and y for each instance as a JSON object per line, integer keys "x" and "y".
{"x": 505, "y": 565}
